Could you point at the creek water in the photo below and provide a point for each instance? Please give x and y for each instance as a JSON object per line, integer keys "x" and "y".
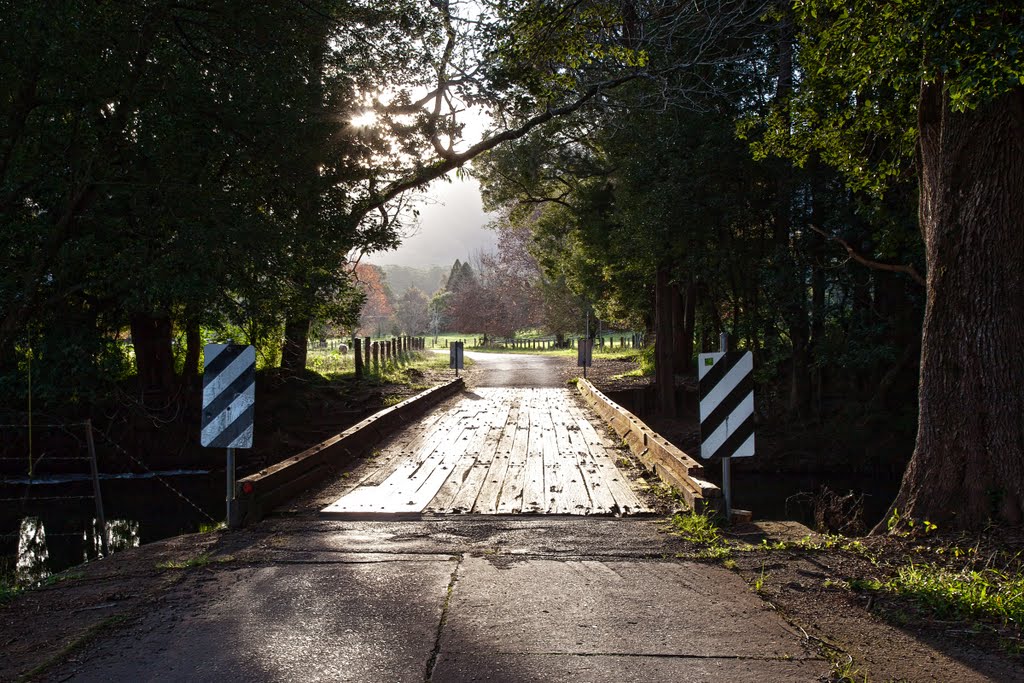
{"x": 49, "y": 525}
{"x": 790, "y": 496}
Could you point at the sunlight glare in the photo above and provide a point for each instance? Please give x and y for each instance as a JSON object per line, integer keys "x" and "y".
{"x": 364, "y": 119}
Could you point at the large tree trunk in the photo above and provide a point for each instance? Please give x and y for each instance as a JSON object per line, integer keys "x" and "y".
{"x": 968, "y": 463}
{"x": 296, "y": 343}
{"x": 154, "y": 358}
{"x": 664, "y": 372}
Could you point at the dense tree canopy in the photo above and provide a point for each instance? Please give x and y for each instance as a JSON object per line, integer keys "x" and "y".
{"x": 732, "y": 165}
{"x": 847, "y": 106}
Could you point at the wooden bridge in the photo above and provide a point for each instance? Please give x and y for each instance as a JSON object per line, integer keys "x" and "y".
{"x": 496, "y": 451}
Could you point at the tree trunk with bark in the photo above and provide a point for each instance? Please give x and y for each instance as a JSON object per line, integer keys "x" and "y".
{"x": 295, "y": 347}
{"x": 968, "y": 462}
{"x": 154, "y": 357}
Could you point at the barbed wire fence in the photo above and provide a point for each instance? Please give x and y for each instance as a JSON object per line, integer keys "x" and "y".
{"x": 84, "y": 434}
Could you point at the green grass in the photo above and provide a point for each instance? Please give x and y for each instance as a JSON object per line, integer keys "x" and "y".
{"x": 988, "y": 594}
{"x": 54, "y": 579}
{"x": 406, "y": 369}
{"x": 9, "y": 590}
{"x": 609, "y": 351}
{"x": 327, "y": 363}
{"x": 701, "y": 529}
{"x": 200, "y": 560}
{"x": 697, "y": 528}
{"x": 645, "y": 363}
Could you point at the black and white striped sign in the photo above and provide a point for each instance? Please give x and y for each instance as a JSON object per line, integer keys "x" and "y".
{"x": 229, "y": 395}
{"x": 726, "y": 386}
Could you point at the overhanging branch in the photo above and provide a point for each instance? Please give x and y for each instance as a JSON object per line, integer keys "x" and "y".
{"x": 455, "y": 160}
{"x": 906, "y": 269}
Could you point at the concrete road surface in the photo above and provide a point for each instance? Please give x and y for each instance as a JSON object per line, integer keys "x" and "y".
{"x": 513, "y": 369}
{"x": 468, "y": 599}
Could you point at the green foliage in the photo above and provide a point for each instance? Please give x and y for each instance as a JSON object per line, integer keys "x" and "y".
{"x": 697, "y": 528}
{"x": 193, "y": 165}
{"x": 987, "y": 594}
{"x": 863, "y": 64}
{"x": 9, "y": 587}
{"x": 330, "y": 363}
{"x": 906, "y": 526}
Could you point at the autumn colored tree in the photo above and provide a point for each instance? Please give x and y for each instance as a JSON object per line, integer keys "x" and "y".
{"x": 378, "y": 311}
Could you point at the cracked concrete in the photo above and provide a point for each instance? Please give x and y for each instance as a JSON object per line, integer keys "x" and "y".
{"x": 451, "y": 600}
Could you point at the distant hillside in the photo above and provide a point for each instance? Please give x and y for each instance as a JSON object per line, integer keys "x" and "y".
{"x": 428, "y": 279}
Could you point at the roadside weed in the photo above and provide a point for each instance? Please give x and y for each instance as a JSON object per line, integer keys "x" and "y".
{"x": 200, "y": 560}
{"x": 9, "y": 590}
{"x": 988, "y": 593}
{"x": 759, "y": 581}
{"x": 697, "y": 528}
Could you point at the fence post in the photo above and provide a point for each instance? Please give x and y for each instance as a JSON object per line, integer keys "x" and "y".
{"x": 97, "y": 496}
{"x": 357, "y": 356}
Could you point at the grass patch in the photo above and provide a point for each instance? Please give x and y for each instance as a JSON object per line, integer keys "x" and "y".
{"x": 987, "y": 594}
{"x": 645, "y": 363}
{"x": 702, "y": 530}
{"x": 9, "y": 590}
{"x": 697, "y": 528}
{"x": 54, "y": 579}
{"x": 201, "y": 560}
{"x": 408, "y": 370}
{"x": 330, "y": 363}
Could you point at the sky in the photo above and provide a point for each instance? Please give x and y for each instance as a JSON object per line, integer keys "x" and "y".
{"x": 452, "y": 226}
{"x": 452, "y": 222}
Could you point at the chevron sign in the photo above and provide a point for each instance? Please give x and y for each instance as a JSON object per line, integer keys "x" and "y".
{"x": 726, "y": 387}
{"x": 229, "y": 395}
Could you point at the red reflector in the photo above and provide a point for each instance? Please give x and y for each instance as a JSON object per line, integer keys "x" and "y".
{"x": 248, "y": 488}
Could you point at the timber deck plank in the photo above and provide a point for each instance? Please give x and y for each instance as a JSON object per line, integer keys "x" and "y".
{"x": 497, "y": 451}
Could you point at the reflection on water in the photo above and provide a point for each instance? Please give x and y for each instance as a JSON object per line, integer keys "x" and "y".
{"x": 46, "y": 529}
{"x": 32, "y": 564}
{"x": 122, "y": 534}
{"x": 30, "y": 567}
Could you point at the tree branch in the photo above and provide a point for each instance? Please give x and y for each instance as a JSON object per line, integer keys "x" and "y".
{"x": 438, "y": 169}
{"x": 906, "y": 269}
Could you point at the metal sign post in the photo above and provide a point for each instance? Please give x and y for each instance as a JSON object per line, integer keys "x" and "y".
{"x": 726, "y": 389}
{"x": 455, "y": 356}
{"x": 723, "y": 347}
{"x": 229, "y": 404}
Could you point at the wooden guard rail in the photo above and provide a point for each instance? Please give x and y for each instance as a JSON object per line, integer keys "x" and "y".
{"x": 671, "y": 464}
{"x": 259, "y": 493}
